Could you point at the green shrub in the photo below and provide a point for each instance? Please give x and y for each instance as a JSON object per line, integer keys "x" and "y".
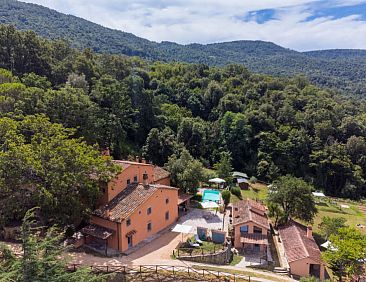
{"x": 253, "y": 180}
{"x": 197, "y": 198}
{"x": 236, "y": 191}
{"x": 226, "y": 195}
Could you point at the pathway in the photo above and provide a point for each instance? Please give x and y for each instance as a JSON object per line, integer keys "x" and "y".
{"x": 158, "y": 252}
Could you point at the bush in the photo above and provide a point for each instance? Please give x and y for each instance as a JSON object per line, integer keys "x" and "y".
{"x": 236, "y": 191}
{"x": 253, "y": 180}
{"x": 197, "y": 198}
{"x": 226, "y": 195}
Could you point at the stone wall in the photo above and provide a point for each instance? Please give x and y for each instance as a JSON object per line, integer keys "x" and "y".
{"x": 222, "y": 257}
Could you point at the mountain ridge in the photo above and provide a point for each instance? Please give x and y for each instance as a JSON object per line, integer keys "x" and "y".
{"x": 333, "y": 68}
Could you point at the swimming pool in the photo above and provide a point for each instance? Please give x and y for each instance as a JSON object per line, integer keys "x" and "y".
{"x": 211, "y": 195}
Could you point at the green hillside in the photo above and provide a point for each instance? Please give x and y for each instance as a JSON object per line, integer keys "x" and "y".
{"x": 339, "y": 69}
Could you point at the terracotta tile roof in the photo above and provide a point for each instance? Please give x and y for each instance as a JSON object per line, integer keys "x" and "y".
{"x": 127, "y": 201}
{"x": 160, "y": 173}
{"x": 254, "y": 238}
{"x": 243, "y": 212}
{"x": 296, "y": 244}
{"x": 97, "y": 231}
{"x": 256, "y": 205}
{"x": 123, "y": 164}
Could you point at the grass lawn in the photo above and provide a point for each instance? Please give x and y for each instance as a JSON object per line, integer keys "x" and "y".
{"x": 236, "y": 260}
{"x": 207, "y": 247}
{"x": 232, "y": 271}
{"x": 256, "y": 191}
{"x": 353, "y": 215}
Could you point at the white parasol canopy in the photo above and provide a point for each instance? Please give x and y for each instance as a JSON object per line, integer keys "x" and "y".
{"x": 186, "y": 229}
{"x": 217, "y": 180}
{"x": 209, "y": 205}
{"x": 183, "y": 229}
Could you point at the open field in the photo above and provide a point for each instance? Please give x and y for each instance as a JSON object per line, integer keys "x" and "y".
{"x": 355, "y": 214}
{"x": 332, "y": 209}
{"x": 256, "y": 191}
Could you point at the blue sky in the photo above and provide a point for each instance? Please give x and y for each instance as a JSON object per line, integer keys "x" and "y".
{"x": 296, "y": 24}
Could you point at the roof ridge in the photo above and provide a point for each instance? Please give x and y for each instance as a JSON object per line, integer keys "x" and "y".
{"x": 301, "y": 238}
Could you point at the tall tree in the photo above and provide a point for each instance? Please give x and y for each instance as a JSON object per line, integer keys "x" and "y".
{"x": 224, "y": 168}
{"x": 42, "y": 165}
{"x": 186, "y": 172}
{"x": 330, "y": 225}
{"x": 294, "y": 196}
{"x": 41, "y": 259}
{"x": 347, "y": 254}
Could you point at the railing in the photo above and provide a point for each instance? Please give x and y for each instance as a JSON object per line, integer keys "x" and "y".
{"x": 174, "y": 271}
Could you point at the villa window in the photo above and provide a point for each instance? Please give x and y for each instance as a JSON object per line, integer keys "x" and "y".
{"x": 135, "y": 178}
{"x": 167, "y": 215}
{"x": 167, "y": 200}
{"x": 149, "y": 226}
{"x": 149, "y": 210}
{"x": 128, "y": 222}
{"x": 244, "y": 229}
{"x": 257, "y": 230}
{"x": 128, "y": 181}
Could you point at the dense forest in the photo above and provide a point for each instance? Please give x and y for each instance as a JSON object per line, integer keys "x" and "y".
{"x": 59, "y": 107}
{"x": 342, "y": 70}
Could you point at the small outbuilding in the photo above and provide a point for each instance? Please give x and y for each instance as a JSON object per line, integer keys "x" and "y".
{"x": 243, "y": 183}
{"x": 301, "y": 251}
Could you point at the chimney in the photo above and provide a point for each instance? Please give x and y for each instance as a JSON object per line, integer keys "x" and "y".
{"x": 143, "y": 160}
{"x": 137, "y": 159}
{"x": 145, "y": 179}
{"x": 309, "y": 232}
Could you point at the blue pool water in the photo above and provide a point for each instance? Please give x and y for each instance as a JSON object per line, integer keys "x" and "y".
{"x": 211, "y": 195}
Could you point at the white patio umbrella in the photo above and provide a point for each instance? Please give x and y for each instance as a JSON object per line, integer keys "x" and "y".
{"x": 217, "y": 180}
{"x": 210, "y": 205}
{"x": 184, "y": 229}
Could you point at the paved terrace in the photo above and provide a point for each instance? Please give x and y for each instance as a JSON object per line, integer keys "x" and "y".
{"x": 204, "y": 218}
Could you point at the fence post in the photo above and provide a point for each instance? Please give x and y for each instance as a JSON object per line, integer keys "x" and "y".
{"x": 156, "y": 269}
{"x": 140, "y": 269}
{"x": 107, "y": 269}
{"x": 124, "y": 269}
{"x": 188, "y": 271}
{"x": 203, "y": 272}
{"x": 249, "y": 278}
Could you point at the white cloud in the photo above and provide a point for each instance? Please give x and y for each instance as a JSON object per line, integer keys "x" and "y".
{"x": 207, "y": 21}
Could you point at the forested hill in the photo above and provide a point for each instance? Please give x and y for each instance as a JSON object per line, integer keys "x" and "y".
{"x": 340, "y": 69}
{"x": 182, "y": 116}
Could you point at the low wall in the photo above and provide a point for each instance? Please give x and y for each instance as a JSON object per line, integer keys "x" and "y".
{"x": 222, "y": 257}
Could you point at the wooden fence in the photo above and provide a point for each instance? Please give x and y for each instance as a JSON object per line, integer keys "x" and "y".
{"x": 175, "y": 271}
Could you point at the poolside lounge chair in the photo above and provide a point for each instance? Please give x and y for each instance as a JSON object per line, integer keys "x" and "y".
{"x": 197, "y": 239}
